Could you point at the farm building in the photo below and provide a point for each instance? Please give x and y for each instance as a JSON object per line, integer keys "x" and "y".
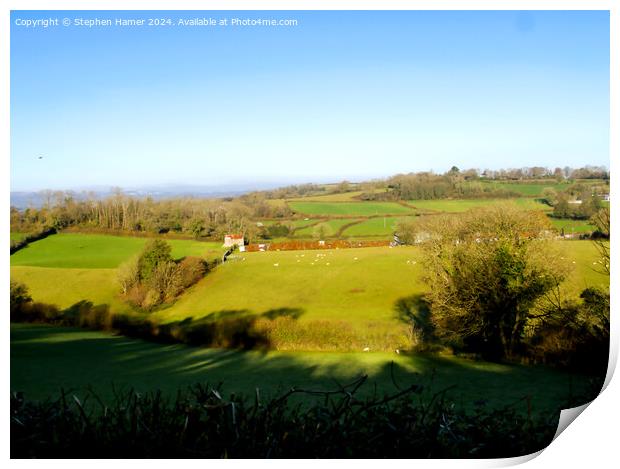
{"x": 231, "y": 240}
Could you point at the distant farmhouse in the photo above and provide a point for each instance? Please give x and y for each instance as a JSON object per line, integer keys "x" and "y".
{"x": 231, "y": 240}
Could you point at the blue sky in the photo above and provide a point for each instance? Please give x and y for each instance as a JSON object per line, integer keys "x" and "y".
{"x": 350, "y": 95}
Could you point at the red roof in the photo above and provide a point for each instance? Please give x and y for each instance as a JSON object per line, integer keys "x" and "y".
{"x": 234, "y": 236}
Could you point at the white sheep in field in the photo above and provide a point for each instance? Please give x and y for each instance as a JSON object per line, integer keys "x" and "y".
{"x": 366, "y": 349}
{"x": 276, "y": 265}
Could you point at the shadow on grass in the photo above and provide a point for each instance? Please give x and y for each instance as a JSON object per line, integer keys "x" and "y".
{"x": 414, "y": 311}
{"x": 45, "y": 359}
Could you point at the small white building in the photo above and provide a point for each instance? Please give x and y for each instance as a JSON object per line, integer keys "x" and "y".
{"x": 231, "y": 240}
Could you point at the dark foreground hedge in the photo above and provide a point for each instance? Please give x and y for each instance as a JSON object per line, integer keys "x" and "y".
{"x": 199, "y": 422}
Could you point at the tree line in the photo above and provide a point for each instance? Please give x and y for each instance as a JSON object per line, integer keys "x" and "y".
{"x": 199, "y": 218}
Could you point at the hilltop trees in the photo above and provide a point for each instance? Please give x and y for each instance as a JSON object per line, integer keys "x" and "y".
{"x": 485, "y": 270}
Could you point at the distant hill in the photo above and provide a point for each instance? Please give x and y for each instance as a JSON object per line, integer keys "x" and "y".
{"x": 36, "y": 199}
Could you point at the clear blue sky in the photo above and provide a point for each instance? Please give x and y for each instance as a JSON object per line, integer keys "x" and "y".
{"x": 342, "y": 95}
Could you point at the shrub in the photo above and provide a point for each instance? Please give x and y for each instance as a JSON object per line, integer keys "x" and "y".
{"x": 191, "y": 270}
{"x": 412, "y": 422}
{"x": 155, "y": 252}
{"x": 574, "y": 335}
{"x": 128, "y": 274}
{"x": 19, "y": 297}
{"x": 153, "y": 277}
{"x": 485, "y": 270}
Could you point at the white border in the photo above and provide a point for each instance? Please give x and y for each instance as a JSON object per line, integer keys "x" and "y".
{"x": 591, "y": 441}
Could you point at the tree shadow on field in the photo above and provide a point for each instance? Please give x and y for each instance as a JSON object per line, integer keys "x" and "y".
{"x": 414, "y": 311}
{"x": 46, "y": 359}
{"x": 231, "y": 329}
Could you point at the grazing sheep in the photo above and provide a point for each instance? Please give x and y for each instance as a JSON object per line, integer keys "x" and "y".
{"x": 366, "y": 349}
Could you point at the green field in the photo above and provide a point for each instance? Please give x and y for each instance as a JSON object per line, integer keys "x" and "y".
{"x": 378, "y": 226}
{"x": 88, "y": 251}
{"x": 341, "y": 197}
{"x": 360, "y": 286}
{"x": 463, "y": 205}
{"x": 297, "y": 223}
{"x": 330, "y": 227}
{"x": 572, "y": 226}
{"x": 45, "y": 359}
{"x": 357, "y": 285}
{"x": 64, "y": 287}
{"x": 352, "y": 209}
{"x": 527, "y": 188}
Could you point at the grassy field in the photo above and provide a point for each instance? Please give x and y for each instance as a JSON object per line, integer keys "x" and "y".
{"x": 330, "y": 227}
{"x": 45, "y": 359}
{"x": 88, "y": 251}
{"x": 341, "y": 197}
{"x": 358, "y": 285}
{"x": 572, "y": 226}
{"x": 462, "y": 205}
{"x": 583, "y": 258}
{"x": 65, "y": 287}
{"x": 528, "y": 189}
{"x": 349, "y": 208}
{"x": 379, "y": 226}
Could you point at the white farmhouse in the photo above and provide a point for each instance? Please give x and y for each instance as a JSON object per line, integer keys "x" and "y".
{"x": 231, "y": 240}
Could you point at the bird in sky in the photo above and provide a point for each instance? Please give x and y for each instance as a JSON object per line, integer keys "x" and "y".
{"x": 40, "y": 157}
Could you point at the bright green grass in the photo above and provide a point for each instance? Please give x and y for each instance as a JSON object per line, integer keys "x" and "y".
{"x": 349, "y": 208}
{"x": 302, "y": 222}
{"x": 583, "y": 258}
{"x": 72, "y": 250}
{"x": 572, "y": 226}
{"x": 330, "y": 227}
{"x": 45, "y": 359}
{"x": 462, "y": 205}
{"x": 358, "y": 285}
{"x": 66, "y": 287}
{"x": 342, "y": 197}
{"x": 379, "y": 226}
{"x": 528, "y": 189}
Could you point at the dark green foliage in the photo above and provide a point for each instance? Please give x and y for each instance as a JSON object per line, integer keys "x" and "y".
{"x": 485, "y": 270}
{"x": 19, "y": 296}
{"x": 155, "y": 252}
{"x": 200, "y": 422}
{"x": 154, "y": 277}
{"x": 574, "y": 335}
{"x": 277, "y": 231}
{"x": 589, "y": 205}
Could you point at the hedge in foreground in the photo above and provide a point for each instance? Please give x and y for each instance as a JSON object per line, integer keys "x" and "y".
{"x": 412, "y": 423}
